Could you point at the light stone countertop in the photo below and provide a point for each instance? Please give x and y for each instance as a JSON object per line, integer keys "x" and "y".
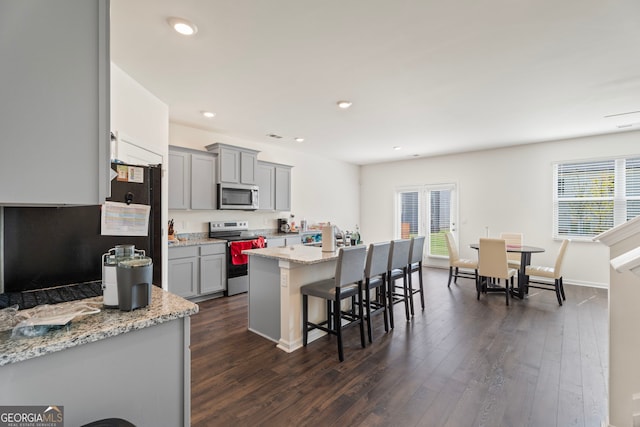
{"x": 296, "y": 253}
{"x": 164, "y": 307}
{"x": 195, "y": 242}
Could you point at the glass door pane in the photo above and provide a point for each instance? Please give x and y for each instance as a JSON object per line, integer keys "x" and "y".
{"x": 439, "y": 220}
{"x": 409, "y": 214}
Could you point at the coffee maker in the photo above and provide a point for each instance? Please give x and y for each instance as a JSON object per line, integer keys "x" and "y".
{"x": 283, "y": 225}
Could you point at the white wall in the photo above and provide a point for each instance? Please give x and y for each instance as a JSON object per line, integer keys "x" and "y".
{"x": 321, "y": 189}
{"x": 506, "y": 189}
{"x": 144, "y": 119}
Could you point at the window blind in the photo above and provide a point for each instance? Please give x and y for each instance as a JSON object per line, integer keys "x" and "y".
{"x": 440, "y": 205}
{"x": 632, "y": 186}
{"x": 409, "y": 214}
{"x": 591, "y": 197}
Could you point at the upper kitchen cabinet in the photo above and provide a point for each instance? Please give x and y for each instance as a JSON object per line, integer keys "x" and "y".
{"x": 54, "y": 101}
{"x": 192, "y": 176}
{"x": 235, "y": 164}
{"x": 274, "y": 182}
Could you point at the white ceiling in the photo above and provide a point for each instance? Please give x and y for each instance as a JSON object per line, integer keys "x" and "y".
{"x": 432, "y": 77}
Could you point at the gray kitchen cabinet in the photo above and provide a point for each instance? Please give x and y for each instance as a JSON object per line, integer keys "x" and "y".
{"x": 248, "y": 164}
{"x": 275, "y": 242}
{"x": 183, "y": 271}
{"x": 192, "y": 177}
{"x": 236, "y": 165}
{"x": 212, "y": 268}
{"x": 179, "y": 180}
{"x": 283, "y": 188}
{"x": 274, "y": 181}
{"x": 55, "y": 102}
{"x": 266, "y": 182}
{"x": 203, "y": 181}
{"x": 197, "y": 271}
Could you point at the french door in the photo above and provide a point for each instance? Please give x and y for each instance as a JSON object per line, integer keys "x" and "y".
{"x": 431, "y": 211}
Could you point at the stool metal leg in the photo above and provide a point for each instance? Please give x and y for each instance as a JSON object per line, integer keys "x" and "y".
{"x": 305, "y": 316}
{"x": 338, "y": 328}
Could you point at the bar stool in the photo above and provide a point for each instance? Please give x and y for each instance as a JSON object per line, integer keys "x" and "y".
{"x": 346, "y": 283}
{"x": 397, "y": 268}
{"x": 375, "y": 278}
{"x": 415, "y": 264}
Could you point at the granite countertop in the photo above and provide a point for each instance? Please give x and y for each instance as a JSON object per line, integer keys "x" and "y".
{"x": 301, "y": 254}
{"x": 195, "y": 242}
{"x": 164, "y": 307}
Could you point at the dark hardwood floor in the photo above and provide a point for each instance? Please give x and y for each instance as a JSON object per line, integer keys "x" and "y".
{"x": 460, "y": 362}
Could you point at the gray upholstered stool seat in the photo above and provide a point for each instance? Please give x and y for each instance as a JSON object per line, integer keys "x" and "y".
{"x": 347, "y": 283}
{"x": 327, "y": 289}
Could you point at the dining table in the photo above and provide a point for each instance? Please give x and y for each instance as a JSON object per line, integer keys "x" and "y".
{"x": 525, "y": 252}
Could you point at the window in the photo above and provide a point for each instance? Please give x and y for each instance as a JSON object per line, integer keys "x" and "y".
{"x": 433, "y": 205}
{"x": 591, "y": 197}
{"x": 439, "y": 220}
{"x": 409, "y": 214}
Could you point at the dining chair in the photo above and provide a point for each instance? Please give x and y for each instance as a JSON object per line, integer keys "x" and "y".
{"x": 492, "y": 264}
{"x": 554, "y": 273}
{"x": 397, "y": 268}
{"x": 346, "y": 283}
{"x": 416, "y": 251}
{"x": 456, "y": 263}
{"x": 513, "y": 239}
{"x": 375, "y": 279}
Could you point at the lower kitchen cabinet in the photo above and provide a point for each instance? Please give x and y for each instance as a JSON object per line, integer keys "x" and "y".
{"x": 275, "y": 242}
{"x": 196, "y": 271}
{"x": 212, "y": 268}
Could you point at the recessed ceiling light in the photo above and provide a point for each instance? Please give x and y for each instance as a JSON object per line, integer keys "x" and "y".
{"x": 183, "y": 26}
{"x": 397, "y": 148}
{"x": 299, "y": 139}
{"x": 344, "y": 104}
{"x": 208, "y": 114}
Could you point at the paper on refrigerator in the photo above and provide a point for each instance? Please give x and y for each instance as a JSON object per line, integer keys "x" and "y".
{"x": 120, "y": 219}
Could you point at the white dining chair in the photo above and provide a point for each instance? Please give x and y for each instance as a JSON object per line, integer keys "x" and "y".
{"x": 456, "y": 263}
{"x": 554, "y": 273}
{"x": 513, "y": 239}
{"x": 492, "y": 264}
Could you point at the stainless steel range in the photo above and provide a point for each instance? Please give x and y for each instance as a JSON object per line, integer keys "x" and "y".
{"x": 238, "y": 238}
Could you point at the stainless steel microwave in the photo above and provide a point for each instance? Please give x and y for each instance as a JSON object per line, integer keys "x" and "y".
{"x": 238, "y": 196}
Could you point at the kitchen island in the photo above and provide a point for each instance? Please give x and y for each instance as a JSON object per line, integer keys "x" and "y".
{"x": 134, "y": 365}
{"x": 275, "y": 302}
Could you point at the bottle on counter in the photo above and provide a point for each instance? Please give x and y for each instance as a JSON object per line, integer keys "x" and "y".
{"x": 355, "y": 236}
